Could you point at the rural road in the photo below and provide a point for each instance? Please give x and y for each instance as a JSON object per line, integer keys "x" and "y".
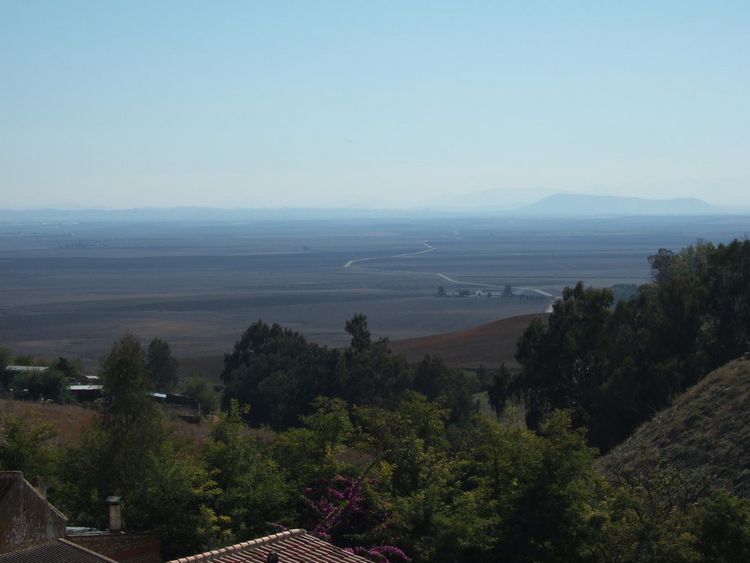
{"x": 430, "y": 248}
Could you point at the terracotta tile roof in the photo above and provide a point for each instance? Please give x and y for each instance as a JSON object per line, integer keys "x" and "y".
{"x": 293, "y": 546}
{"x": 59, "y": 550}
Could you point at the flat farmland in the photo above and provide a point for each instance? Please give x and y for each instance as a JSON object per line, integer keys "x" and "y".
{"x": 70, "y": 288}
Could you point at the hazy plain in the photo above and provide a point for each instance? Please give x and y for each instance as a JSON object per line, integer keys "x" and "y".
{"x": 70, "y": 288}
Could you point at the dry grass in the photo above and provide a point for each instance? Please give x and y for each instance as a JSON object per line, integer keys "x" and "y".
{"x": 706, "y": 428}
{"x": 70, "y": 421}
{"x": 489, "y": 344}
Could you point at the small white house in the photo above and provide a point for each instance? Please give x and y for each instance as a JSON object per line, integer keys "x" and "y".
{"x": 24, "y": 369}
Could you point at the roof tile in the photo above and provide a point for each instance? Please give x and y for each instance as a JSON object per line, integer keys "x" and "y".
{"x": 59, "y": 550}
{"x": 292, "y": 546}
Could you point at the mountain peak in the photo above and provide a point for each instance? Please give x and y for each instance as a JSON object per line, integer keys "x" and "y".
{"x": 586, "y": 205}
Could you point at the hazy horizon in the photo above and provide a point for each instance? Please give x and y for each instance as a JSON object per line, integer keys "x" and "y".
{"x": 337, "y": 105}
{"x": 487, "y": 202}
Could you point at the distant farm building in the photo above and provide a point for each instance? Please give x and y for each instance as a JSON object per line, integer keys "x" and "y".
{"x": 86, "y": 392}
{"x": 26, "y": 369}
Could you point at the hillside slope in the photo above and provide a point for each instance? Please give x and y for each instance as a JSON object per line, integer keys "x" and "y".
{"x": 706, "y": 428}
{"x": 489, "y": 344}
{"x": 71, "y": 420}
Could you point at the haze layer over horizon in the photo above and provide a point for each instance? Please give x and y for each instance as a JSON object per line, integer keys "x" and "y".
{"x": 335, "y": 104}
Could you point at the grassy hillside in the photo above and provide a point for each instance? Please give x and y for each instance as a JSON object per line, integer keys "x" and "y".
{"x": 70, "y": 420}
{"x": 489, "y": 344}
{"x": 706, "y": 428}
{"x": 207, "y": 366}
{"x": 67, "y": 420}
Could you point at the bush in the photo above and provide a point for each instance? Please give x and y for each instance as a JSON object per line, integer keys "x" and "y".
{"x": 49, "y": 384}
{"x": 202, "y": 391}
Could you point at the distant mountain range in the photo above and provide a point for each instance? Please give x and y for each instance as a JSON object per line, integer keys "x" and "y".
{"x": 482, "y": 203}
{"x": 570, "y": 205}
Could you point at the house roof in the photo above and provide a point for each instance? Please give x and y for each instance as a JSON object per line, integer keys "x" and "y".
{"x": 293, "y": 546}
{"x": 26, "y": 518}
{"x": 21, "y": 369}
{"x": 59, "y": 550}
{"x": 86, "y": 387}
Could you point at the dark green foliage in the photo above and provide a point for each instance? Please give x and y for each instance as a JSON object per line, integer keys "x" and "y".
{"x": 330, "y": 422}
{"x": 161, "y": 365}
{"x": 382, "y": 476}
{"x": 615, "y": 367}
{"x": 538, "y": 491}
{"x": 251, "y": 484}
{"x": 202, "y": 392}
{"x": 357, "y": 329}
{"x": 177, "y": 501}
{"x": 371, "y": 375}
{"x": 25, "y": 446}
{"x": 49, "y": 384}
{"x": 377, "y": 452}
{"x": 564, "y": 361}
{"x": 278, "y": 374}
{"x": 6, "y": 359}
{"x": 721, "y": 527}
{"x": 451, "y": 388}
{"x": 130, "y": 424}
{"x": 623, "y": 291}
{"x": 25, "y": 360}
{"x": 71, "y": 369}
{"x": 661, "y": 515}
{"x": 500, "y": 390}
{"x": 173, "y": 494}
{"x": 129, "y": 453}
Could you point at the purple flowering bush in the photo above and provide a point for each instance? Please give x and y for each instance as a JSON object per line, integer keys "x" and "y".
{"x": 346, "y": 512}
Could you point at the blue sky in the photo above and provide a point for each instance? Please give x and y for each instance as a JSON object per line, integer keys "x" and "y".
{"x": 377, "y": 104}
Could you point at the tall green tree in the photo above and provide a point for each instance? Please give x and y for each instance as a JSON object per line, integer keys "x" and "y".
{"x": 161, "y": 365}
{"x": 278, "y": 374}
{"x": 500, "y": 390}
{"x": 357, "y": 329}
{"x": 131, "y": 423}
{"x": 565, "y": 361}
{"x": 252, "y": 487}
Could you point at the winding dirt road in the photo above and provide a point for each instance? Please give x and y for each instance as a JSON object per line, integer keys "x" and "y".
{"x": 429, "y": 248}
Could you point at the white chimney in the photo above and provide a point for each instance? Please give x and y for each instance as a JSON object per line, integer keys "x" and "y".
{"x": 115, "y": 513}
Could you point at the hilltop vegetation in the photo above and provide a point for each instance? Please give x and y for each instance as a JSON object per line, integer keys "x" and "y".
{"x": 394, "y": 461}
{"x": 705, "y": 431}
{"x": 615, "y": 366}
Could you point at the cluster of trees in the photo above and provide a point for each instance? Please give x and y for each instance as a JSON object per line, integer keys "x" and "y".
{"x": 50, "y": 384}
{"x": 275, "y": 374}
{"x": 392, "y": 484}
{"x": 615, "y": 366}
{"x": 396, "y": 462}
